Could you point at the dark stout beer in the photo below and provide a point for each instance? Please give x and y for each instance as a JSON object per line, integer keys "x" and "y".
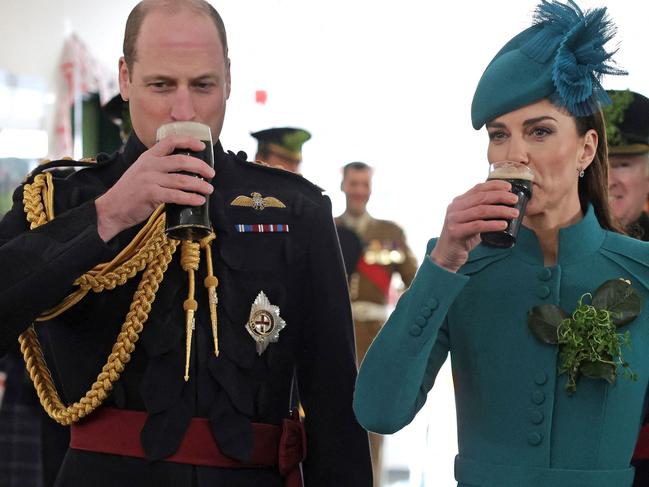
{"x": 521, "y": 178}
{"x": 189, "y": 222}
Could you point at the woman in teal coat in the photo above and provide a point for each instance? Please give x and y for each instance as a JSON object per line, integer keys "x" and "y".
{"x": 531, "y": 413}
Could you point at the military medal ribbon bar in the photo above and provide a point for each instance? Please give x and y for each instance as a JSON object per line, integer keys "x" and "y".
{"x": 262, "y": 228}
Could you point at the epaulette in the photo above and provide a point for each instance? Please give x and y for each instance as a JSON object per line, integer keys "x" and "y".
{"x": 242, "y": 158}
{"x": 66, "y": 162}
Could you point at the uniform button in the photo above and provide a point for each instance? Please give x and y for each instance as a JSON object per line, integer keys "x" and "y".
{"x": 536, "y": 417}
{"x": 545, "y": 274}
{"x": 540, "y": 378}
{"x": 432, "y": 303}
{"x": 420, "y": 321}
{"x": 543, "y": 292}
{"x": 534, "y": 438}
{"x": 538, "y": 397}
{"x": 415, "y": 330}
{"x": 426, "y": 312}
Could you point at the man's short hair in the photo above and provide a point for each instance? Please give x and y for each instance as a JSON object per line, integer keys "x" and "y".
{"x": 137, "y": 15}
{"x": 356, "y": 166}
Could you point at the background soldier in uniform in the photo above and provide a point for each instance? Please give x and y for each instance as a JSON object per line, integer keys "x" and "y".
{"x": 385, "y": 252}
{"x": 281, "y": 147}
{"x": 184, "y": 354}
{"x": 627, "y": 134}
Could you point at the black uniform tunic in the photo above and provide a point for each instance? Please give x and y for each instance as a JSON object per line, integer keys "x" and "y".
{"x": 300, "y": 271}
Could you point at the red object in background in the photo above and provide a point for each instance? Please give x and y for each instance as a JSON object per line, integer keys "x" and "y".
{"x": 261, "y": 96}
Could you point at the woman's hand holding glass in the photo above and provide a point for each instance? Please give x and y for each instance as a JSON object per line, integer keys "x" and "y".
{"x": 481, "y": 209}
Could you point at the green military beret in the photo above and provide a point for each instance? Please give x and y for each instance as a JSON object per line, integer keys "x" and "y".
{"x": 627, "y": 123}
{"x": 285, "y": 141}
{"x": 560, "y": 57}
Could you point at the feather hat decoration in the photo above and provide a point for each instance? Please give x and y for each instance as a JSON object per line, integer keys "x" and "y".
{"x": 561, "y": 57}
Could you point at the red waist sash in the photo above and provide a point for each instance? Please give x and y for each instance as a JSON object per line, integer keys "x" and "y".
{"x": 117, "y": 432}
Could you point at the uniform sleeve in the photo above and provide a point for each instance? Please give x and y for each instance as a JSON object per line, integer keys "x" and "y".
{"x": 408, "y": 267}
{"x": 40, "y": 265}
{"x": 403, "y": 361}
{"x": 337, "y": 446}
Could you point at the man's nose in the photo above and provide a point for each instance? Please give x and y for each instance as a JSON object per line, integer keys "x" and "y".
{"x": 182, "y": 108}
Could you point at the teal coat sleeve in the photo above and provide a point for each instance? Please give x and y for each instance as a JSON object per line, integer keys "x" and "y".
{"x": 401, "y": 365}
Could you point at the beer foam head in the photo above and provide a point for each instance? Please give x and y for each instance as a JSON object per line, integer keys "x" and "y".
{"x": 193, "y": 129}
{"x": 510, "y": 170}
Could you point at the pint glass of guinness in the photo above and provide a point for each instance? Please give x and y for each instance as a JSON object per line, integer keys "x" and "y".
{"x": 189, "y": 222}
{"x": 520, "y": 177}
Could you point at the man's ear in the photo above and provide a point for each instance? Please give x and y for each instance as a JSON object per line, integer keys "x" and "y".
{"x": 124, "y": 78}
{"x": 228, "y": 80}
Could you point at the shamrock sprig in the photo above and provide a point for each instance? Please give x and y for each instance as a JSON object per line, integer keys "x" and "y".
{"x": 588, "y": 340}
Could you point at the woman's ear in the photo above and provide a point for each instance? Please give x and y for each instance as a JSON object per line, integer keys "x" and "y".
{"x": 588, "y": 149}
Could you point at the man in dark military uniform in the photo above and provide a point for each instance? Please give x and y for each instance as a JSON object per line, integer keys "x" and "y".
{"x": 281, "y": 147}
{"x": 385, "y": 252}
{"x": 627, "y": 133}
{"x": 184, "y": 354}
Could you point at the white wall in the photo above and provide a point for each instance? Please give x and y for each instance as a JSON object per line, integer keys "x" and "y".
{"x": 383, "y": 82}
{"x": 389, "y": 83}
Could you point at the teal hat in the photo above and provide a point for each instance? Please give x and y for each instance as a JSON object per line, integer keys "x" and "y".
{"x": 560, "y": 57}
{"x": 285, "y": 141}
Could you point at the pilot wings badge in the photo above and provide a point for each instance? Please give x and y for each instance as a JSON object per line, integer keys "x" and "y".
{"x": 257, "y": 202}
{"x": 264, "y": 323}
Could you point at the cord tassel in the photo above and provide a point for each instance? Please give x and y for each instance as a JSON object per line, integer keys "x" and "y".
{"x": 190, "y": 306}
{"x": 211, "y": 283}
{"x": 189, "y": 260}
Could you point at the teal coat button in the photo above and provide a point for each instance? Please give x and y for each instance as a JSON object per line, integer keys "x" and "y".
{"x": 420, "y": 321}
{"x": 534, "y": 438}
{"x": 426, "y": 311}
{"x": 536, "y": 417}
{"x": 432, "y": 303}
{"x": 538, "y": 397}
{"x": 415, "y": 330}
{"x": 543, "y": 292}
{"x": 545, "y": 274}
{"x": 540, "y": 378}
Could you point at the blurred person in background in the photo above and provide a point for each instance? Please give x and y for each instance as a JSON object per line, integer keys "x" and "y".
{"x": 281, "y": 147}
{"x": 627, "y": 132}
{"x": 384, "y": 253}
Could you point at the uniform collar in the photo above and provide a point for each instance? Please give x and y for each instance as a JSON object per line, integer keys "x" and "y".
{"x": 576, "y": 242}
{"x": 132, "y": 150}
{"x": 358, "y": 224}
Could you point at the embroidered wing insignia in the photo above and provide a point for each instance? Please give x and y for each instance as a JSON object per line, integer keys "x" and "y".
{"x": 257, "y": 201}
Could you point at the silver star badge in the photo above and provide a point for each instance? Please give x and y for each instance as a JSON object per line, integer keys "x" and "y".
{"x": 264, "y": 323}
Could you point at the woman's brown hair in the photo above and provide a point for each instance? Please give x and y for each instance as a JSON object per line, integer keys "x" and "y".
{"x": 593, "y": 187}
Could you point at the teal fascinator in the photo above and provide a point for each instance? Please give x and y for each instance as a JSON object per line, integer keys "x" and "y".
{"x": 560, "y": 57}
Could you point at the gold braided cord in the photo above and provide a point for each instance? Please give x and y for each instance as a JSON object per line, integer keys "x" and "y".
{"x": 35, "y": 196}
{"x": 117, "y": 360}
{"x": 131, "y": 260}
{"x": 190, "y": 259}
{"x": 150, "y": 249}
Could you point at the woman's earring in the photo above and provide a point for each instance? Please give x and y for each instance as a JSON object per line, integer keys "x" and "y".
{"x": 581, "y": 173}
